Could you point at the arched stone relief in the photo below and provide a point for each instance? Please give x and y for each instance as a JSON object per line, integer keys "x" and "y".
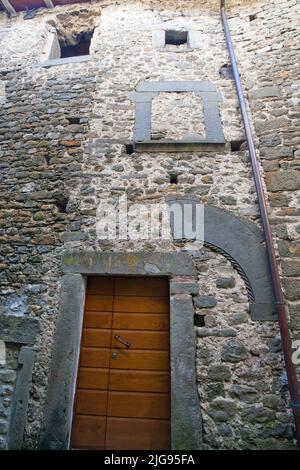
{"x": 242, "y": 243}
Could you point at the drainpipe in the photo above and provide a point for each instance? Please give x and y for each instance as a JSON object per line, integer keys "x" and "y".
{"x": 279, "y": 298}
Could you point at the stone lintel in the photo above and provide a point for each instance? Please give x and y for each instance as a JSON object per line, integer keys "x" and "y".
{"x": 126, "y": 264}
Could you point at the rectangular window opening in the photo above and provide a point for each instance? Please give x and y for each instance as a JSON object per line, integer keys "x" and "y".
{"x": 80, "y": 48}
{"x": 176, "y": 38}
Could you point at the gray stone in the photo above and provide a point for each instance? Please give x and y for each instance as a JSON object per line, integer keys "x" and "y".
{"x": 222, "y": 409}
{"x": 237, "y": 319}
{"x": 8, "y": 376}
{"x": 73, "y": 236}
{"x": 220, "y": 332}
{"x": 283, "y": 180}
{"x": 265, "y": 92}
{"x": 219, "y": 372}
{"x": 292, "y": 288}
{"x": 224, "y": 430}
{"x": 291, "y": 267}
{"x": 228, "y": 200}
{"x": 278, "y": 431}
{"x": 234, "y": 351}
{"x": 213, "y": 390}
{"x": 244, "y": 393}
{"x": 206, "y": 301}
{"x": 184, "y": 287}
{"x": 225, "y": 282}
{"x": 18, "y": 329}
{"x": 274, "y": 345}
{"x": 273, "y": 401}
{"x": 258, "y": 414}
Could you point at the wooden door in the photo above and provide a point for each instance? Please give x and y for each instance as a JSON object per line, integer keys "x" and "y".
{"x": 123, "y": 395}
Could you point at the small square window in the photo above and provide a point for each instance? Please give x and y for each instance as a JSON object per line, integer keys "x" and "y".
{"x": 176, "y": 38}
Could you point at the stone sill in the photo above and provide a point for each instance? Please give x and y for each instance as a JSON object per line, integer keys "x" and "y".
{"x": 179, "y": 146}
{"x": 176, "y": 51}
{"x": 67, "y": 60}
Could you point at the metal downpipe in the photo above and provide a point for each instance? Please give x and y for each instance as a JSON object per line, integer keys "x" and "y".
{"x": 279, "y": 298}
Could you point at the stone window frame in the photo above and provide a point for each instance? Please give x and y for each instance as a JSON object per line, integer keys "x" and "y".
{"x": 53, "y": 51}
{"x": 186, "y": 433}
{"x": 145, "y": 92}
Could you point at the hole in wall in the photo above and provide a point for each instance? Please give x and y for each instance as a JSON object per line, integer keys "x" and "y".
{"x": 73, "y": 120}
{"x": 176, "y": 38}
{"x": 199, "y": 320}
{"x": 61, "y": 203}
{"x": 252, "y": 17}
{"x": 173, "y": 178}
{"x": 81, "y": 47}
{"x": 47, "y": 160}
{"x": 226, "y": 71}
{"x": 129, "y": 149}
{"x": 61, "y": 207}
{"x": 235, "y": 145}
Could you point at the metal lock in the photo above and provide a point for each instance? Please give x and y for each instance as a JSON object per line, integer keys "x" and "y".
{"x": 114, "y": 355}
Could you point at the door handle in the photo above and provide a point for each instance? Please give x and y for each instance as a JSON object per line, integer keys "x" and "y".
{"x": 123, "y": 341}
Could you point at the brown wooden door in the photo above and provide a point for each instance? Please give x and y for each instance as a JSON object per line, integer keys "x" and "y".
{"x": 123, "y": 396}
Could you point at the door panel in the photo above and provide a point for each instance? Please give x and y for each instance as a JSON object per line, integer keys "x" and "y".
{"x": 93, "y": 378}
{"x": 138, "y": 405}
{"x": 141, "y": 339}
{"x": 96, "y": 336}
{"x": 97, "y": 302}
{"x": 123, "y": 387}
{"x": 89, "y": 432}
{"x": 139, "y": 380}
{"x": 95, "y": 357}
{"x": 91, "y": 402}
{"x": 141, "y": 304}
{"x": 140, "y": 359}
{"x": 155, "y": 287}
{"x": 126, "y": 433}
{"x": 97, "y": 319}
{"x": 141, "y": 321}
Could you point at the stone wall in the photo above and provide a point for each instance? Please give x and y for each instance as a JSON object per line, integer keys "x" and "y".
{"x": 63, "y": 132}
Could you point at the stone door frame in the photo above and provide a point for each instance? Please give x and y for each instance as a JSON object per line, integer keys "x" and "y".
{"x": 185, "y": 407}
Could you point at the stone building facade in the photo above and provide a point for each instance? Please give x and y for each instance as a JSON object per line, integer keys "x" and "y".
{"x": 72, "y": 136}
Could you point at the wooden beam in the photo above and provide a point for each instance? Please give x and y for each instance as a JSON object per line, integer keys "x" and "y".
{"x": 8, "y": 7}
{"x": 49, "y": 3}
